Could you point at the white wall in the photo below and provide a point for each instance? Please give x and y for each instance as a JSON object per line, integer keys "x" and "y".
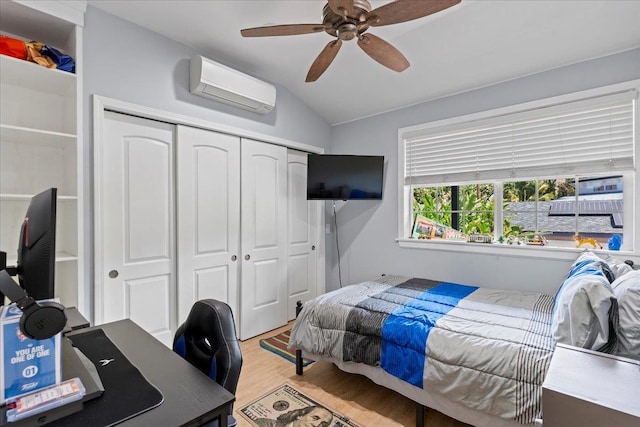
{"x": 367, "y": 230}
{"x": 129, "y": 63}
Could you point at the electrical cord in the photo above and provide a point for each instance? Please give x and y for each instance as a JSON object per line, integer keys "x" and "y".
{"x": 335, "y": 221}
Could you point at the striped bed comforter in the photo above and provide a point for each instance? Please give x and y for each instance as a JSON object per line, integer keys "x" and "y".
{"x": 487, "y": 349}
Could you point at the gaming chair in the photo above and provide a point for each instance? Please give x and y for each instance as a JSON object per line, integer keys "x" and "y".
{"x": 207, "y": 340}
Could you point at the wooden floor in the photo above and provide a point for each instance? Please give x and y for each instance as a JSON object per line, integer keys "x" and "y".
{"x": 354, "y": 396}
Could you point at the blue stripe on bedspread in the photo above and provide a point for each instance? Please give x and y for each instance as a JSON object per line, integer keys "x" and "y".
{"x": 403, "y": 353}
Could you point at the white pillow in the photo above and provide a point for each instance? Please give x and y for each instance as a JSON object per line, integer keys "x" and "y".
{"x": 581, "y": 312}
{"x": 627, "y": 290}
{"x": 618, "y": 266}
{"x": 585, "y": 310}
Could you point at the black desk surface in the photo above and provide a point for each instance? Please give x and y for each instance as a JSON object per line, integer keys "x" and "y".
{"x": 190, "y": 397}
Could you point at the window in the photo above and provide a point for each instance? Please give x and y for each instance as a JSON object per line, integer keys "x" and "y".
{"x": 547, "y": 173}
{"x": 466, "y": 208}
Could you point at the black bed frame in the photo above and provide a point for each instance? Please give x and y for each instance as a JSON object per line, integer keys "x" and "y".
{"x": 420, "y": 408}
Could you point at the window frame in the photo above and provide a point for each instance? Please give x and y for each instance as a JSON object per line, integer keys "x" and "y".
{"x": 630, "y": 185}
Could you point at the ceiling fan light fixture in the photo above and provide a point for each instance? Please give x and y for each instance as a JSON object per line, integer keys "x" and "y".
{"x": 347, "y": 31}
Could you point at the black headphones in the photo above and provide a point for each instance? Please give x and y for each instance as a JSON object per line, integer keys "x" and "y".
{"x": 39, "y": 320}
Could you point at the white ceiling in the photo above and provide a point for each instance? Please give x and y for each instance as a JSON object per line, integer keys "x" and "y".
{"x": 474, "y": 44}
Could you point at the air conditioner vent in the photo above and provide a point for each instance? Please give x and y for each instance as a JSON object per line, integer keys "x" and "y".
{"x": 215, "y": 81}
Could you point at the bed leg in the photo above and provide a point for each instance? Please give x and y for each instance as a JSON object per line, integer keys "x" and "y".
{"x": 298, "y": 362}
{"x": 298, "y": 352}
{"x": 419, "y": 415}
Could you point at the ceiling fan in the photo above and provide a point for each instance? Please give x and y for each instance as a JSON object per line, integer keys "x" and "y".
{"x": 349, "y": 19}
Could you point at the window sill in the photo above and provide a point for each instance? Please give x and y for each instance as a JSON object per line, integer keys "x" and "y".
{"x": 516, "y": 251}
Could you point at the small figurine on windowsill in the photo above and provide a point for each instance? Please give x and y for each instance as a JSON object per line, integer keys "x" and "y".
{"x": 586, "y": 241}
{"x": 536, "y": 239}
{"x": 513, "y": 240}
{"x": 615, "y": 242}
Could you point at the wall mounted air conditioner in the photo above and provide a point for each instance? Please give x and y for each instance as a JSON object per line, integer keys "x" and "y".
{"x": 215, "y": 81}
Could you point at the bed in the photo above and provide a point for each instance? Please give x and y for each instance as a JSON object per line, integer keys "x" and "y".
{"x": 478, "y": 355}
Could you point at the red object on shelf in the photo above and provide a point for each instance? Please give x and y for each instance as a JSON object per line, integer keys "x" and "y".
{"x": 13, "y": 47}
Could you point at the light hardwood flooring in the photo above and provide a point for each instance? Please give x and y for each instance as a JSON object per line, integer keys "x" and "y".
{"x": 352, "y": 395}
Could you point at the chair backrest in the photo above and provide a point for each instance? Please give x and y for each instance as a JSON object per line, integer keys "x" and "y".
{"x": 207, "y": 340}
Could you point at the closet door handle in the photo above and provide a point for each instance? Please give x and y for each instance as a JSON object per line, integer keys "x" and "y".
{"x": 247, "y": 257}
{"x": 113, "y": 274}
{"x": 233, "y": 257}
{"x": 313, "y": 247}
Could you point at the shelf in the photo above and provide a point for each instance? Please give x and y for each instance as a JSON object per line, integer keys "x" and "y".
{"x": 18, "y": 72}
{"x": 60, "y": 257}
{"x": 25, "y": 135}
{"x": 27, "y": 197}
{"x": 65, "y": 257}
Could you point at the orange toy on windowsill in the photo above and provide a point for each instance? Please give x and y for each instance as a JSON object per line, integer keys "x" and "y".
{"x": 586, "y": 241}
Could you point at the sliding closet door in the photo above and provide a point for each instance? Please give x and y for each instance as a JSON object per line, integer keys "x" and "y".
{"x": 208, "y": 181}
{"x": 135, "y": 244}
{"x": 263, "y": 297}
{"x": 302, "y": 235}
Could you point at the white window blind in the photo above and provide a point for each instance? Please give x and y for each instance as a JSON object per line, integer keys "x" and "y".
{"x": 585, "y": 136}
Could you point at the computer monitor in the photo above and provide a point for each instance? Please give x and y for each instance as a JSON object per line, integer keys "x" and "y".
{"x": 37, "y": 247}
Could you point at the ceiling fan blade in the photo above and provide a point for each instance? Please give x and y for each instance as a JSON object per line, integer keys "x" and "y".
{"x": 383, "y": 52}
{"x": 282, "y": 30}
{"x": 406, "y": 10}
{"x": 323, "y": 60}
{"x": 342, "y": 7}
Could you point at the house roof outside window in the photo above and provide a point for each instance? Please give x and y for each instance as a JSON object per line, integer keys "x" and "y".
{"x": 599, "y": 214}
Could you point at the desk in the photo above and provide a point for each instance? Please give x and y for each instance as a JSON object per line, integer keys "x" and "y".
{"x": 190, "y": 397}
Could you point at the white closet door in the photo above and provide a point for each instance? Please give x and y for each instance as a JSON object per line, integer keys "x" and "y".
{"x": 208, "y": 181}
{"x": 136, "y": 268}
{"x": 302, "y": 236}
{"x": 263, "y": 297}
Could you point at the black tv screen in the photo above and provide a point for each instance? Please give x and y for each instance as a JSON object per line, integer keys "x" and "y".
{"x": 344, "y": 177}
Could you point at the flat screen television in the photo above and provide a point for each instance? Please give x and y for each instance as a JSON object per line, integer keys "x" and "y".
{"x": 344, "y": 177}
{"x": 37, "y": 247}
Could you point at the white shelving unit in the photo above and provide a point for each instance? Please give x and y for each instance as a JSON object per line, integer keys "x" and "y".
{"x": 40, "y": 129}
